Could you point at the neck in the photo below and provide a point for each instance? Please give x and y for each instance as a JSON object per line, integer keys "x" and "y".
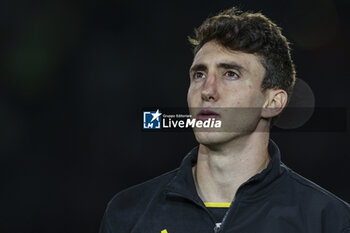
{"x": 219, "y": 172}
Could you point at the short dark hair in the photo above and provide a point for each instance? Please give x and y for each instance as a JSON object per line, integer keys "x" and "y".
{"x": 251, "y": 33}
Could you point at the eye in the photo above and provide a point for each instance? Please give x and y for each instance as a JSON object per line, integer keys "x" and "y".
{"x": 198, "y": 75}
{"x": 231, "y": 74}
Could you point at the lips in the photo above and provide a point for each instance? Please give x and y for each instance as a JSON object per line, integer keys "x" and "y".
{"x": 206, "y": 114}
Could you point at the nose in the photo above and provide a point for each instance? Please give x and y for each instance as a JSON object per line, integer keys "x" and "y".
{"x": 209, "y": 89}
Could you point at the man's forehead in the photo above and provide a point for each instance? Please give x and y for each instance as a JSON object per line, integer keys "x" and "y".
{"x": 213, "y": 53}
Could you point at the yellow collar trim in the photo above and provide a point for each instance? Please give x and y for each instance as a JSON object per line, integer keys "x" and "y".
{"x": 217, "y": 204}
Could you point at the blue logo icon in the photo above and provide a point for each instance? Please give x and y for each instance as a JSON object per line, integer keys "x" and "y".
{"x": 151, "y": 120}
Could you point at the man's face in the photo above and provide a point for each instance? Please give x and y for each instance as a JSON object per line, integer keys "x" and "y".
{"x": 228, "y": 83}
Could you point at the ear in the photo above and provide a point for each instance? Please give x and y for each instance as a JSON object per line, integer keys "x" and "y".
{"x": 275, "y": 102}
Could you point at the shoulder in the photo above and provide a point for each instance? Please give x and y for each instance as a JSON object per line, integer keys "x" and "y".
{"x": 310, "y": 189}
{"x": 316, "y": 200}
{"x": 125, "y": 207}
{"x": 143, "y": 191}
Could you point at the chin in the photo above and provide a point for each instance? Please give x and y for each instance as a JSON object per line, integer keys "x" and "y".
{"x": 215, "y": 138}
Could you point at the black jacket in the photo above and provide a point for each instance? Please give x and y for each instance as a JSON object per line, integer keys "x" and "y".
{"x": 277, "y": 200}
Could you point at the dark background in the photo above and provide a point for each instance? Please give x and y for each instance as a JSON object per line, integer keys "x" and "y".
{"x": 75, "y": 75}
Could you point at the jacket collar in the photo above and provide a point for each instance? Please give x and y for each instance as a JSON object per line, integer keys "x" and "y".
{"x": 258, "y": 185}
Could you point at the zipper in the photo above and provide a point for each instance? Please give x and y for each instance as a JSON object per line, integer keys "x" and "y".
{"x": 218, "y": 229}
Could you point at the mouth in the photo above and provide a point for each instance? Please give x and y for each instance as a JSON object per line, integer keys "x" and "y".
{"x": 206, "y": 114}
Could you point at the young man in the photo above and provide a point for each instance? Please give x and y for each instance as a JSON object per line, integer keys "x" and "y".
{"x": 233, "y": 181}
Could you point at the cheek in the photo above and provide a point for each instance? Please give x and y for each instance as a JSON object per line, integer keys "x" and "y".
{"x": 256, "y": 98}
{"x": 234, "y": 96}
{"x": 190, "y": 96}
{"x": 245, "y": 97}
{"x": 193, "y": 92}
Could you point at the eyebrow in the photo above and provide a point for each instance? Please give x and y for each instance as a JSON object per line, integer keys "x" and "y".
{"x": 232, "y": 65}
{"x": 198, "y": 67}
{"x": 225, "y": 65}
